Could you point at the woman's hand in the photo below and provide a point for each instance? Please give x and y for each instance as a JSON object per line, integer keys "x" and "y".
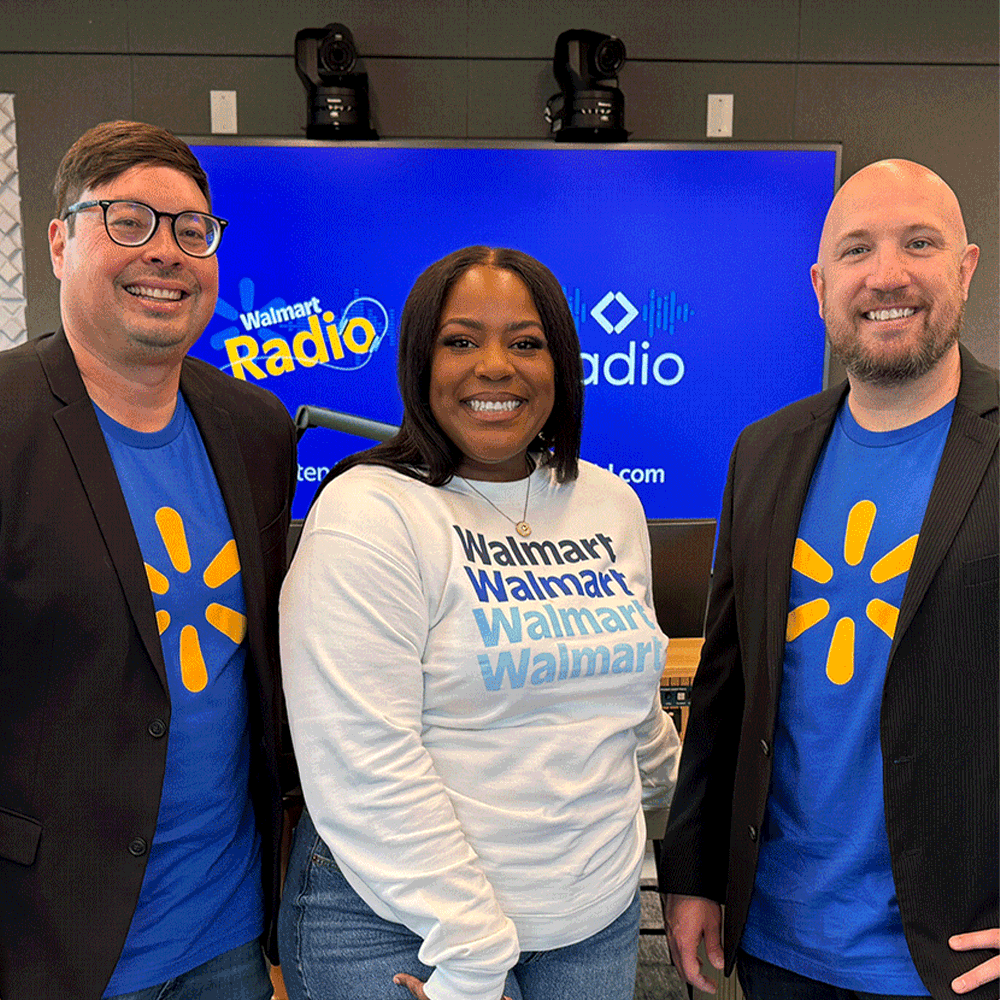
{"x": 414, "y": 985}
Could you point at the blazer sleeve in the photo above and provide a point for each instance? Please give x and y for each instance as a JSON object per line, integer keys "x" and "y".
{"x": 693, "y": 858}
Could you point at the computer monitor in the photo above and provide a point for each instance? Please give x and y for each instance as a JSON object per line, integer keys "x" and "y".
{"x": 682, "y": 573}
{"x": 686, "y": 270}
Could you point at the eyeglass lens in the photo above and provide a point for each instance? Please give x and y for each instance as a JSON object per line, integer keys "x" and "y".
{"x": 131, "y": 223}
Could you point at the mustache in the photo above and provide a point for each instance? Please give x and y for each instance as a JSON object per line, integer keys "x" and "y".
{"x": 890, "y": 300}
{"x": 174, "y": 276}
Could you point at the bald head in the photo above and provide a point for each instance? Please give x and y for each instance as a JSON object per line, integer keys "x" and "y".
{"x": 866, "y": 198}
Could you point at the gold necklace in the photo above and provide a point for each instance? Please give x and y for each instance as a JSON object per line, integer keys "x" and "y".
{"x": 521, "y": 527}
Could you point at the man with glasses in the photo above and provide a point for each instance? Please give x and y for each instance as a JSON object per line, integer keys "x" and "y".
{"x": 144, "y": 502}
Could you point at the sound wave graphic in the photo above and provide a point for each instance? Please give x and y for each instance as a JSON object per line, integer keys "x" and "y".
{"x": 658, "y": 312}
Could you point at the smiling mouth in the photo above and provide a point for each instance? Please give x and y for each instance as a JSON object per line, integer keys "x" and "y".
{"x": 162, "y": 294}
{"x": 494, "y": 406}
{"x": 881, "y": 315}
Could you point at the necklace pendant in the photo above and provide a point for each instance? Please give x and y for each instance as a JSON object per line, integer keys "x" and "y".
{"x": 523, "y": 528}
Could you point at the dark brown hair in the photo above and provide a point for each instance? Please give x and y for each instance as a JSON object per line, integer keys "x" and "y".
{"x": 421, "y": 449}
{"x": 106, "y": 151}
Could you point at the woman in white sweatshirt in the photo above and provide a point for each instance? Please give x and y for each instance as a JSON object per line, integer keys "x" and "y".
{"x": 471, "y": 662}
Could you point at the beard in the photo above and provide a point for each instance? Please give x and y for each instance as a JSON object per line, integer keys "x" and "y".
{"x": 876, "y": 365}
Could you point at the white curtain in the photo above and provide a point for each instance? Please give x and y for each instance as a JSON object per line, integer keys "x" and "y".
{"x": 13, "y": 329}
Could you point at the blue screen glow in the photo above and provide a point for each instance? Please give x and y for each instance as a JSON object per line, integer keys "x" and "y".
{"x": 686, "y": 270}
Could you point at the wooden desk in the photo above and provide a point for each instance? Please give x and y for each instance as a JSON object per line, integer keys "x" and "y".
{"x": 682, "y": 658}
{"x": 678, "y": 675}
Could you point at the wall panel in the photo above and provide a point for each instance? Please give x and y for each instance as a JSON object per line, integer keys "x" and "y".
{"x": 913, "y": 112}
{"x": 668, "y": 100}
{"x": 56, "y": 98}
{"x": 899, "y": 31}
{"x": 664, "y": 101}
{"x": 418, "y": 98}
{"x": 45, "y": 26}
{"x": 711, "y": 29}
{"x": 900, "y": 77}
{"x": 173, "y": 91}
{"x": 233, "y": 27}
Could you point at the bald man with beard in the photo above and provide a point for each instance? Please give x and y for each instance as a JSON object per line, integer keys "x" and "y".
{"x": 838, "y": 783}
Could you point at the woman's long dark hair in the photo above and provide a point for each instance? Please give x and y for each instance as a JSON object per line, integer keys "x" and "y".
{"x": 421, "y": 449}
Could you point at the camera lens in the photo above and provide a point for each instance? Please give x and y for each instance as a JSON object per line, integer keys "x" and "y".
{"x": 335, "y": 55}
{"x": 609, "y": 57}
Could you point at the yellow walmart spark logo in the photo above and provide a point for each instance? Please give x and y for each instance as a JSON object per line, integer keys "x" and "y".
{"x": 807, "y": 561}
{"x": 223, "y": 567}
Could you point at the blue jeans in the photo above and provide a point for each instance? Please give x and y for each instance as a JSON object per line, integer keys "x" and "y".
{"x": 763, "y": 981}
{"x": 334, "y": 947}
{"x": 239, "y": 974}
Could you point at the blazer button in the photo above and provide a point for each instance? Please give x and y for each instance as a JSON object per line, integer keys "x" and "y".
{"x": 752, "y": 831}
{"x": 765, "y": 748}
{"x": 156, "y": 728}
{"x": 138, "y": 847}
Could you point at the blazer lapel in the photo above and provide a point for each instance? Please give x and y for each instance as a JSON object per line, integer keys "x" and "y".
{"x": 791, "y": 487}
{"x": 78, "y": 425}
{"x": 970, "y": 445}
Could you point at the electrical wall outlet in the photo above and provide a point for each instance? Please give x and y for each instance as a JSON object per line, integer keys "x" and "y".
{"x": 222, "y": 106}
{"x": 720, "y": 116}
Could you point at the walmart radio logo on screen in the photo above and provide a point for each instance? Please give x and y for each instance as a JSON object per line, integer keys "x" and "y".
{"x": 258, "y": 350}
{"x": 635, "y": 362}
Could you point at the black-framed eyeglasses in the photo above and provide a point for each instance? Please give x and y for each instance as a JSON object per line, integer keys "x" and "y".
{"x": 133, "y": 223}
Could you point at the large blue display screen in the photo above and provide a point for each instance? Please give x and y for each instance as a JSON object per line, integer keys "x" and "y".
{"x": 686, "y": 269}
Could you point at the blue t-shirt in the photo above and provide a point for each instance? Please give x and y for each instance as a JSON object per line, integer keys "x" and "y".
{"x": 824, "y": 902}
{"x": 202, "y": 893}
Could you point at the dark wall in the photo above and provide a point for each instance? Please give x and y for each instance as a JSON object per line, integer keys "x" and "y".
{"x": 909, "y": 78}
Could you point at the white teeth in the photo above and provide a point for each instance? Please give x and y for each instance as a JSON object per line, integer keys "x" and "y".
{"x": 884, "y": 314}
{"x": 489, "y": 406}
{"x": 154, "y": 293}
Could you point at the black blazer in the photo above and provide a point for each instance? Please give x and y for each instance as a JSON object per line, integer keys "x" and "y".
{"x": 84, "y": 706}
{"x": 939, "y": 718}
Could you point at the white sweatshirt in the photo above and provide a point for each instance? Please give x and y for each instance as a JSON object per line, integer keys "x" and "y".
{"x": 476, "y": 715}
